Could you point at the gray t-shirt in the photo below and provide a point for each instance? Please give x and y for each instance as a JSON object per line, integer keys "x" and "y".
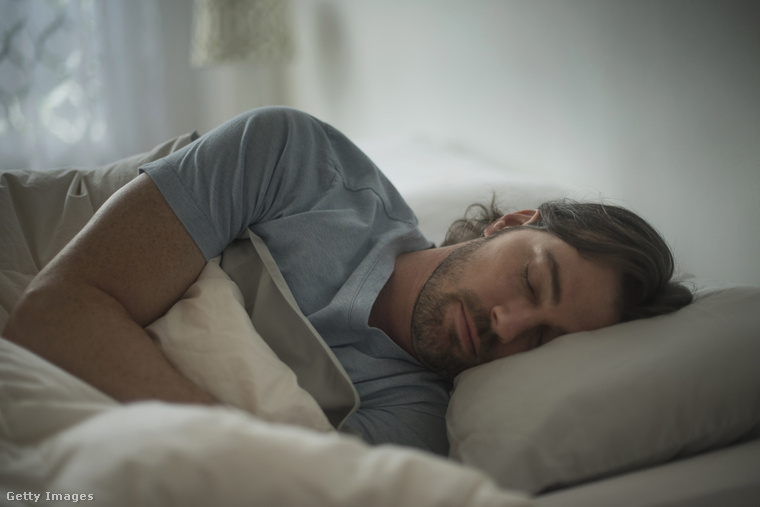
{"x": 335, "y": 225}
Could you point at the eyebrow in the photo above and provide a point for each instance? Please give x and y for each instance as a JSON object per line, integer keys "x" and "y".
{"x": 554, "y": 272}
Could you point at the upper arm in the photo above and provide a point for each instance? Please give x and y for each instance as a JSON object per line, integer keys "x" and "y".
{"x": 251, "y": 169}
{"x": 135, "y": 250}
{"x": 85, "y": 311}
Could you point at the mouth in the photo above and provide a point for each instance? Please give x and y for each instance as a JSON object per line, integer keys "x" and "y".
{"x": 467, "y": 334}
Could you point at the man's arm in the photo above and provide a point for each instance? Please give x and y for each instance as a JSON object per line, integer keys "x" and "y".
{"x": 86, "y": 310}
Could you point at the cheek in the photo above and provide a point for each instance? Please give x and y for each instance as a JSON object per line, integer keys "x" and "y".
{"x": 492, "y": 286}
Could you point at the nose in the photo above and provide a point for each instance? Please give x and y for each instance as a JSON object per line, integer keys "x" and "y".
{"x": 510, "y": 322}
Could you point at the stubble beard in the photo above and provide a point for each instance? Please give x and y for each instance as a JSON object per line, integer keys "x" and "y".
{"x": 437, "y": 347}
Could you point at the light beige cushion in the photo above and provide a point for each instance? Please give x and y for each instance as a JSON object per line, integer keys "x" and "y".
{"x": 276, "y": 316}
{"x": 208, "y": 336}
{"x": 599, "y": 403}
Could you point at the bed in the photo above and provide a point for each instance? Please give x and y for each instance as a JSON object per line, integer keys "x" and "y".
{"x": 660, "y": 412}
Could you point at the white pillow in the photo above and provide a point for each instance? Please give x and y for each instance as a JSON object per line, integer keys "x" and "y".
{"x": 600, "y": 403}
{"x": 208, "y": 336}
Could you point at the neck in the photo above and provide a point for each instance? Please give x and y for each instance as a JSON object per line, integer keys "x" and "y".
{"x": 394, "y": 306}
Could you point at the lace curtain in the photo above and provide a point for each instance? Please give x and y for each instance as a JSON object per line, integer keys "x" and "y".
{"x": 80, "y": 81}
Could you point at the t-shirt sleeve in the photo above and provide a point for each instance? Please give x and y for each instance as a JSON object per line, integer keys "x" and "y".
{"x": 261, "y": 165}
{"x": 402, "y": 402}
{"x": 410, "y": 425}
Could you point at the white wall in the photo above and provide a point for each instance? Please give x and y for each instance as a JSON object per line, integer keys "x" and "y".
{"x": 201, "y": 99}
{"x": 654, "y": 103}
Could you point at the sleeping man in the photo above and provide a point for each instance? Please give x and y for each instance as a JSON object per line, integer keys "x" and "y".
{"x": 402, "y": 316}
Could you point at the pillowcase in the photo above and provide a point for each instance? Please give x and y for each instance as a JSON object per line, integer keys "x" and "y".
{"x": 208, "y": 336}
{"x": 599, "y": 403}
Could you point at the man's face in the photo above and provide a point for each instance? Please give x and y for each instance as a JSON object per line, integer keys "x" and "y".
{"x": 510, "y": 293}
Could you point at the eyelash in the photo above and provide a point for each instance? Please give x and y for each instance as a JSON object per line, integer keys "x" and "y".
{"x": 526, "y": 281}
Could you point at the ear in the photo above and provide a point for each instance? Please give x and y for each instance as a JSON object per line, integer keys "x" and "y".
{"x": 524, "y": 217}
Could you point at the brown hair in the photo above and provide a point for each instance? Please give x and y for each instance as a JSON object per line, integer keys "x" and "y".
{"x": 614, "y": 235}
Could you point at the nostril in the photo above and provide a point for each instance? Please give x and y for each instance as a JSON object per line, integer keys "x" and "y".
{"x": 508, "y": 324}
{"x": 497, "y": 314}
{"x": 499, "y": 324}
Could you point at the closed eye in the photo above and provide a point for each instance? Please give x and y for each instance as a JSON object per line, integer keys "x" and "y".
{"x": 526, "y": 282}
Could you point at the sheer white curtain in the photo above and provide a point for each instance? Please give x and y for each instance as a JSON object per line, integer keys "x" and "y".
{"x": 81, "y": 81}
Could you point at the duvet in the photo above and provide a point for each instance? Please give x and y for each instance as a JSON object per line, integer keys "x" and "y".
{"x": 269, "y": 444}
